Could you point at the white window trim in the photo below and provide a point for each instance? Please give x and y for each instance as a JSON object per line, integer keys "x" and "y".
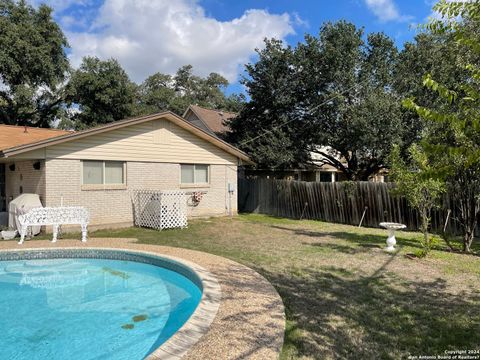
{"x": 104, "y": 186}
{"x": 194, "y": 184}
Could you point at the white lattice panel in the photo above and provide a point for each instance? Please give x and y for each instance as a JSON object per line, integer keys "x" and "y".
{"x": 160, "y": 209}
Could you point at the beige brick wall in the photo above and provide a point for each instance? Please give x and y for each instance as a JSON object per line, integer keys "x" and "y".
{"x": 109, "y": 208}
{"x": 26, "y": 177}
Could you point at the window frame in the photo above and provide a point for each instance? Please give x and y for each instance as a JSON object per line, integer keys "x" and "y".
{"x": 195, "y": 184}
{"x": 104, "y": 185}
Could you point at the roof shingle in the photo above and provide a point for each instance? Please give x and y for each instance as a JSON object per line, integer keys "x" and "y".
{"x": 213, "y": 119}
{"x": 12, "y": 136}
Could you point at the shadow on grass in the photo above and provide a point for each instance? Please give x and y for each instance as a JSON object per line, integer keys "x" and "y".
{"x": 373, "y": 240}
{"x": 360, "y": 240}
{"x": 361, "y": 248}
{"x": 346, "y": 316}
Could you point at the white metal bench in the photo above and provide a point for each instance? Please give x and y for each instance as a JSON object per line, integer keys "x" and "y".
{"x": 54, "y": 216}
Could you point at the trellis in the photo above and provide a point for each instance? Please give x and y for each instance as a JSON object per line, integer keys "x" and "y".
{"x": 159, "y": 210}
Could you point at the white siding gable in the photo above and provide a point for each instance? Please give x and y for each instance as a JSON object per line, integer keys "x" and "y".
{"x": 153, "y": 141}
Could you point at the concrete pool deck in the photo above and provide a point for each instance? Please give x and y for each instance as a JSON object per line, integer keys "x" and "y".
{"x": 250, "y": 321}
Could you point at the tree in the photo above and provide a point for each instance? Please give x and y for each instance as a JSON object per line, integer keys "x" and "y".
{"x": 161, "y": 92}
{"x": 452, "y": 141}
{"x": 33, "y": 65}
{"x": 268, "y": 126}
{"x": 435, "y": 54}
{"x": 156, "y": 94}
{"x": 423, "y": 192}
{"x": 332, "y": 95}
{"x": 364, "y": 118}
{"x": 102, "y": 92}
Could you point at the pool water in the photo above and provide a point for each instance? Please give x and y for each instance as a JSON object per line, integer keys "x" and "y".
{"x": 90, "y": 308}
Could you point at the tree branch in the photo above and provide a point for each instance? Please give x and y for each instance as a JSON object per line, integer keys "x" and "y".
{"x": 331, "y": 160}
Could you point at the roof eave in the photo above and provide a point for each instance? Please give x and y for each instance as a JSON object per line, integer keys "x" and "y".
{"x": 124, "y": 123}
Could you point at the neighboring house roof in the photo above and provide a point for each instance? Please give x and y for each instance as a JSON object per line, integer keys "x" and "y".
{"x": 11, "y": 135}
{"x": 212, "y": 120}
{"x": 18, "y": 148}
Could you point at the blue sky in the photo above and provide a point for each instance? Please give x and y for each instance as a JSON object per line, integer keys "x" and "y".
{"x": 315, "y": 12}
{"x": 148, "y": 36}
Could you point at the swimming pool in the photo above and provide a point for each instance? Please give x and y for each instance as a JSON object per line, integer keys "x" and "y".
{"x": 91, "y": 304}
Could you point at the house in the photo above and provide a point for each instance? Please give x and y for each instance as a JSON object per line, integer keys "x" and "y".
{"x": 99, "y": 168}
{"x": 215, "y": 122}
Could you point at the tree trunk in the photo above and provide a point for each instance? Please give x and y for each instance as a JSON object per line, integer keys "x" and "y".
{"x": 469, "y": 209}
{"x": 469, "y": 233}
{"x": 424, "y": 217}
{"x": 467, "y": 241}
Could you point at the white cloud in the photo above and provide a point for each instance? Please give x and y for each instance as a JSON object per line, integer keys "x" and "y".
{"x": 148, "y": 36}
{"x": 386, "y": 10}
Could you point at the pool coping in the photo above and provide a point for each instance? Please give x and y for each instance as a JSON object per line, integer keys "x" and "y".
{"x": 200, "y": 320}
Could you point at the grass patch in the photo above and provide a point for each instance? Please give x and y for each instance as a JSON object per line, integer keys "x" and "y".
{"x": 344, "y": 296}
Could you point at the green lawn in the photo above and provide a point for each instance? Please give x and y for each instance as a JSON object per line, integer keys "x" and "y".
{"x": 344, "y": 296}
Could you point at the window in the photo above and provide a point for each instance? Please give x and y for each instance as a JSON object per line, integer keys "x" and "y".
{"x": 92, "y": 172}
{"x": 194, "y": 174}
{"x": 103, "y": 173}
{"x": 114, "y": 172}
{"x": 325, "y": 176}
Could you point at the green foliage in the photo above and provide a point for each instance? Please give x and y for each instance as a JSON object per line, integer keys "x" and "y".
{"x": 260, "y": 128}
{"x": 365, "y": 118}
{"x": 161, "y": 92}
{"x": 435, "y": 54}
{"x": 102, "y": 91}
{"x": 33, "y": 64}
{"x": 452, "y": 139}
{"x": 350, "y": 188}
{"x": 414, "y": 181}
{"x": 332, "y": 95}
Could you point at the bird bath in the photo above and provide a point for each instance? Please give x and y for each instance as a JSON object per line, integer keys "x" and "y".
{"x": 391, "y": 227}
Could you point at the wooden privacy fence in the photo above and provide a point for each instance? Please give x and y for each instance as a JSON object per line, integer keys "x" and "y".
{"x": 340, "y": 202}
